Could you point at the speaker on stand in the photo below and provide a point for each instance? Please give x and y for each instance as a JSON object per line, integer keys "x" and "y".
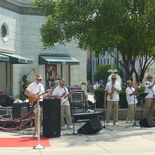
{"x": 51, "y": 118}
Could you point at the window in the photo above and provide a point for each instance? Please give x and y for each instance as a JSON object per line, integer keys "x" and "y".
{"x": 4, "y": 31}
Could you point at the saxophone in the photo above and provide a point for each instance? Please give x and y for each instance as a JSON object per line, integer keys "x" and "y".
{"x": 112, "y": 92}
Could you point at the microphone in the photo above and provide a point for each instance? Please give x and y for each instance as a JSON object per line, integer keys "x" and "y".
{"x": 83, "y": 83}
{"x": 34, "y": 70}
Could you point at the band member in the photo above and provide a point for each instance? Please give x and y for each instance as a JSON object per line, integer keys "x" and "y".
{"x": 36, "y": 91}
{"x": 112, "y": 89}
{"x": 150, "y": 98}
{"x": 132, "y": 101}
{"x": 61, "y": 92}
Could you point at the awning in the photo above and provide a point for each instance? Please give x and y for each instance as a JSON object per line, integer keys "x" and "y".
{"x": 57, "y": 59}
{"x": 4, "y": 58}
{"x": 16, "y": 59}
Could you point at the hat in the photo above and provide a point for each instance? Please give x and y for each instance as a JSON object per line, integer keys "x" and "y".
{"x": 61, "y": 81}
{"x": 129, "y": 82}
{"x": 38, "y": 76}
{"x": 149, "y": 76}
{"x": 113, "y": 76}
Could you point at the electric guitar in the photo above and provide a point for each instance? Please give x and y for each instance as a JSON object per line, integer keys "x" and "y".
{"x": 64, "y": 97}
{"x": 32, "y": 100}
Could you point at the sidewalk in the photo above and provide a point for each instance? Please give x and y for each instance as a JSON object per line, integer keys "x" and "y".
{"x": 122, "y": 140}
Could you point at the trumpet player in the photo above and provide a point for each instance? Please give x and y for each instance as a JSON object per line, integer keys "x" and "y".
{"x": 150, "y": 98}
{"x": 112, "y": 89}
{"x": 131, "y": 93}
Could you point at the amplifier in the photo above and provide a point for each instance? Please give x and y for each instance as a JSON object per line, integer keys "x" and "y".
{"x": 20, "y": 109}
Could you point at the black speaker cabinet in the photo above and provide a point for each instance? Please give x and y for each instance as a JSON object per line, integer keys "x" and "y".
{"x": 147, "y": 122}
{"x": 6, "y": 101}
{"x": 91, "y": 127}
{"x": 20, "y": 109}
{"x": 51, "y": 118}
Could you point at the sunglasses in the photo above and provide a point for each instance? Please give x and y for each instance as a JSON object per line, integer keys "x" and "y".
{"x": 113, "y": 78}
{"x": 39, "y": 79}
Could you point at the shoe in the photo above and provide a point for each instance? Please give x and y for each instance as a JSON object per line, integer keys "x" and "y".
{"x": 63, "y": 127}
{"x": 129, "y": 122}
{"x": 117, "y": 124}
{"x": 107, "y": 123}
{"x": 35, "y": 135}
{"x": 70, "y": 127}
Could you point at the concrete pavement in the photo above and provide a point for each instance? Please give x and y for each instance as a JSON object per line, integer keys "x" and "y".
{"x": 120, "y": 140}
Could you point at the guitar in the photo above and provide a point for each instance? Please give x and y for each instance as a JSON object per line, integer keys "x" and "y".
{"x": 32, "y": 100}
{"x": 64, "y": 96}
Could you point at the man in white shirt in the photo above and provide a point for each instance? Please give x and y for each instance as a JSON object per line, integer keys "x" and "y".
{"x": 35, "y": 92}
{"x": 132, "y": 101}
{"x": 150, "y": 98}
{"x": 112, "y": 89}
{"x": 61, "y": 92}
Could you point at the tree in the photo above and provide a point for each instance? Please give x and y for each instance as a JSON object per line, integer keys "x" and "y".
{"x": 102, "y": 72}
{"x": 102, "y": 25}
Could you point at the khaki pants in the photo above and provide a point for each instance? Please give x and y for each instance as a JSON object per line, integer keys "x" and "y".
{"x": 36, "y": 119}
{"x": 131, "y": 114}
{"x": 65, "y": 113}
{"x": 149, "y": 108}
{"x": 112, "y": 105}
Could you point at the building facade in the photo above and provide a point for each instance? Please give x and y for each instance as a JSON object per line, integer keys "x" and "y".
{"x": 21, "y": 51}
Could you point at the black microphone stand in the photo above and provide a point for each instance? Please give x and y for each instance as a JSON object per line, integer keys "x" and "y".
{"x": 73, "y": 119}
{"x": 104, "y": 126}
{"x": 134, "y": 124}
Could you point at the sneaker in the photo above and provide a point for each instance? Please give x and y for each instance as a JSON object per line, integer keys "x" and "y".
{"x": 63, "y": 127}
{"x": 129, "y": 122}
{"x": 117, "y": 124}
{"x": 70, "y": 127}
{"x": 35, "y": 135}
{"x": 107, "y": 123}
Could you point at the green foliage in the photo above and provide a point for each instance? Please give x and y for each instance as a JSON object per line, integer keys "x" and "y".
{"x": 99, "y": 97}
{"x": 102, "y": 72}
{"x": 102, "y": 25}
{"x": 24, "y": 86}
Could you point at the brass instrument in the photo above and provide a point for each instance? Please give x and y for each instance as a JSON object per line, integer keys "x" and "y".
{"x": 137, "y": 87}
{"x": 112, "y": 92}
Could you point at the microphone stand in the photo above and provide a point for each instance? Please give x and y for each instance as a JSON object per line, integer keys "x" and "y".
{"x": 134, "y": 124}
{"x": 104, "y": 126}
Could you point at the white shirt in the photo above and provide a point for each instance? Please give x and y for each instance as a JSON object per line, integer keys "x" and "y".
{"x": 115, "y": 94}
{"x": 130, "y": 99}
{"x": 59, "y": 91}
{"x": 148, "y": 90}
{"x": 35, "y": 88}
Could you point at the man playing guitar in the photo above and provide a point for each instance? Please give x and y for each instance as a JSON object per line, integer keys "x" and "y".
{"x": 35, "y": 92}
{"x": 61, "y": 92}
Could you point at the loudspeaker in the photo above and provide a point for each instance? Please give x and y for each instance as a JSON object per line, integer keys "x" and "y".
{"x": 92, "y": 126}
{"x": 147, "y": 122}
{"x": 6, "y": 101}
{"x": 20, "y": 109}
{"x": 51, "y": 118}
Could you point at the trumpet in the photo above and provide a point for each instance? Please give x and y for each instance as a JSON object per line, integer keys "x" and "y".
{"x": 139, "y": 85}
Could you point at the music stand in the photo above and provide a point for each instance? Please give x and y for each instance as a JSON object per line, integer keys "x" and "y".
{"x": 141, "y": 98}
